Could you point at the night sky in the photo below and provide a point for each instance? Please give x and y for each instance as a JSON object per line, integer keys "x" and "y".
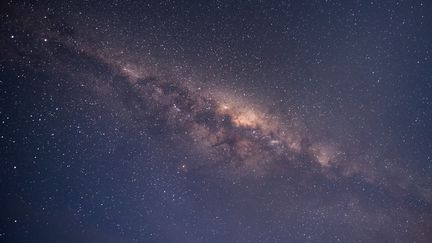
{"x": 216, "y": 121}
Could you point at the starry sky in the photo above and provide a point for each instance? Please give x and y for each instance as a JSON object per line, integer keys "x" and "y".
{"x": 216, "y": 121}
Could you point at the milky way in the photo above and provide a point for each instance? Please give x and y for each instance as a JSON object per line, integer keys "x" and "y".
{"x": 218, "y": 122}
{"x": 227, "y": 130}
{"x": 164, "y": 134}
{"x": 232, "y": 132}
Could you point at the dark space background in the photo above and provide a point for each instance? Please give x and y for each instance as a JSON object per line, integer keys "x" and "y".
{"x": 112, "y": 131}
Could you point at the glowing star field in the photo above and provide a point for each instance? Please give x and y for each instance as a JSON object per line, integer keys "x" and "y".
{"x": 171, "y": 121}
